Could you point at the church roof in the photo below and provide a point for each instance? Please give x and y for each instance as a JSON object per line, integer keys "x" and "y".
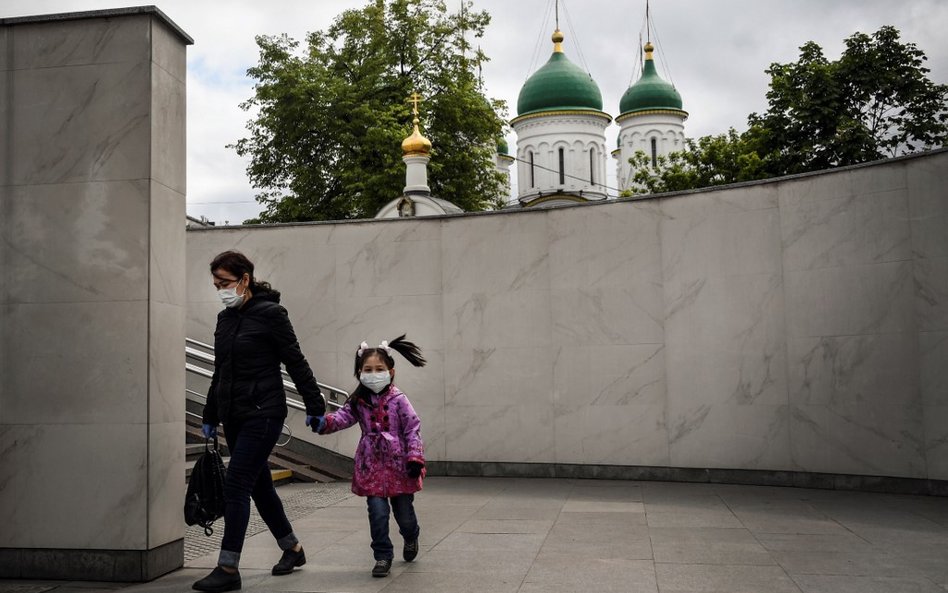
{"x": 559, "y": 85}
{"x": 650, "y": 92}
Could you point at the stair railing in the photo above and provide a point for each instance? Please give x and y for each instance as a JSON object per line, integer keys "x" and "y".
{"x": 204, "y": 353}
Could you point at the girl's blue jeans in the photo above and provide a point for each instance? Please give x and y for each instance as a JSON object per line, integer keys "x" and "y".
{"x": 402, "y": 506}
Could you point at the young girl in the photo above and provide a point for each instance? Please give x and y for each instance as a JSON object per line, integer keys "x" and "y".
{"x": 389, "y": 460}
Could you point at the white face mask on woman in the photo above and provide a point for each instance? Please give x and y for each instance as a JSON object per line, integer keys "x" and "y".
{"x": 230, "y": 298}
{"x": 376, "y": 381}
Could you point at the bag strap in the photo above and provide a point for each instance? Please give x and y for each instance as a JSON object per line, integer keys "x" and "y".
{"x": 207, "y": 441}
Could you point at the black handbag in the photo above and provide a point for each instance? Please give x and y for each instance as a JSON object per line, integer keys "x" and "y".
{"x": 204, "y": 501}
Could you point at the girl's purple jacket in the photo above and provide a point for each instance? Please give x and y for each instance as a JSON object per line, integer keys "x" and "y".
{"x": 391, "y": 437}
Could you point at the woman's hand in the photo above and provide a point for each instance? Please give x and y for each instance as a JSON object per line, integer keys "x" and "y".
{"x": 209, "y": 430}
{"x": 316, "y": 423}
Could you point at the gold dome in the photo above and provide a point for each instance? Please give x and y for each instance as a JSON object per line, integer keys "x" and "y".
{"x": 416, "y": 144}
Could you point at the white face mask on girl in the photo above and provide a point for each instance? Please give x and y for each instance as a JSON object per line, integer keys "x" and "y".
{"x": 376, "y": 381}
{"x": 230, "y": 298}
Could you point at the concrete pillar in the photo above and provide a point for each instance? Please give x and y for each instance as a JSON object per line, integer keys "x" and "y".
{"x": 92, "y": 302}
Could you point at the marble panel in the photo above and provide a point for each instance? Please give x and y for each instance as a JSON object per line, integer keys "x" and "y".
{"x": 168, "y": 51}
{"x": 928, "y": 205}
{"x": 881, "y": 178}
{"x": 855, "y": 438}
{"x": 931, "y": 296}
{"x": 202, "y": 319}
{"x": 6, "y": 57}
{"x": 75, "y": 363}
{"x": 880, "y": 369}
{"x": 630, "y": 314}
{"x": 81, "y": 123}
{"x": 936, "y": 441}
{"x": 165, "y": 482}
{"x": 834, "y": 185}
{"x": 355, "y": 234}
{"x": 720, "y": 244}
{"x": 630, "y": 434}
{"x": 473, "y": 247}
{"x": 166, "y": 248}
{"x": 500, "y": 433}
{"x": 300, "y": 260}
{"x": 499, "y": 377}
{"x": 378, "y": 268}
{"x": 852, "y": 230}
{"x": 76, "y": 242}
{"x": 853, "y": 300}
{"x": 725, "y": 341}
{"x": 728, "y": 435}
{"x": 80, "y": 42}
{"x": 168, "y": 138}
{"x": 166, "y": 373}
{"x": 606, "y": 247}
{"x": 373, "y": 319}
{"x": 483, "y": 320}
{"x": 933, "y": 366}
{"x": 101, "y": 466}
{"x": 724, "y": 202}
{"x": 608, "y": 375}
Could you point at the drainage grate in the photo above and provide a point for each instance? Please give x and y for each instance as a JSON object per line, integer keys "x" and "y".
{"x": 298, "y": 504}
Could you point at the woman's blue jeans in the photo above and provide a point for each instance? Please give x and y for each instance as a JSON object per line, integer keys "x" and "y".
{"x": 404, "y": 510}
{"x": 248, "y": 476}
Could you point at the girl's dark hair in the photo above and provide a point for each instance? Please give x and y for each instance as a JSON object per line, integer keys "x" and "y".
{"x": 237, "y": 264}
{"x": 408, "y": 350}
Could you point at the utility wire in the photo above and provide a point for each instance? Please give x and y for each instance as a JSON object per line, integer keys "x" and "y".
{"x": 583, "y": 179}
{"x": 572, "y": 30}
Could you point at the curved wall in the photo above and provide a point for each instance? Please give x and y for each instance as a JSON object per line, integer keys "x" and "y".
{"x": 797, "y": 324}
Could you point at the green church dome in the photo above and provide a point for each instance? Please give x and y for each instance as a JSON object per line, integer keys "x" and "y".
{"x": 650, "y": 92}
{"x": 502, "y": 147}
{"x": 559, "y": 84}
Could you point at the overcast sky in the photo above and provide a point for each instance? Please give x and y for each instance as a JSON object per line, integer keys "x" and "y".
{"x": 715, "y": 52}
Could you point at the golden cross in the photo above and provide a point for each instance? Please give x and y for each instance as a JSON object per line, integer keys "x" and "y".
{"x": 415, "y": 98}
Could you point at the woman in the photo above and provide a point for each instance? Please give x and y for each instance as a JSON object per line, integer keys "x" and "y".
{"x": 253, "y": 337}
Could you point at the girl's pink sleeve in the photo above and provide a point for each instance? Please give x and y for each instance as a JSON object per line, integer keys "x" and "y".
{"x": 411, "y": 432}
{"x": 340, "y": 419}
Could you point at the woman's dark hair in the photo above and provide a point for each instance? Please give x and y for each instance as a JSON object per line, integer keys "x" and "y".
{"x": 408, "y": 350}
{"x": 237, "y": 264}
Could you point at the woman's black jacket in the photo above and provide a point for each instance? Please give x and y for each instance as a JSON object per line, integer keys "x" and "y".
{"x": 250, "y": 342}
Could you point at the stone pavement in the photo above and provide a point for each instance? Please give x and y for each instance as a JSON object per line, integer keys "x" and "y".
{"x": 507, "y": 535}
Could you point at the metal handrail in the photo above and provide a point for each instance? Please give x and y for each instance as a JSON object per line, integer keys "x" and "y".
{"x": 208, "y": 358}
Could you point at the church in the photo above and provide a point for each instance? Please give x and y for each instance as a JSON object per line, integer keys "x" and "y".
{"x": 561, "y": 156}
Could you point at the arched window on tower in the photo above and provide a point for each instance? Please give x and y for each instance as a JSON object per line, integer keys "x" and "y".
{"x": 654, "y": 152}
{"x": 562, "y": 167}
{"x": 592, "y": 166}
{"x": 533, "y": 179}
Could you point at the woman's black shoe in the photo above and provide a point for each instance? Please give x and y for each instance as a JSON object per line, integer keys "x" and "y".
{"x": 218, "y": 581}
{"x": 381, "y": 568}
{"x": 289, "y": 561}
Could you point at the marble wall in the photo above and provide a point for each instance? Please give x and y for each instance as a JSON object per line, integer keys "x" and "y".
{"x": 799, "y": 324}
{"x": 93, "y": 308}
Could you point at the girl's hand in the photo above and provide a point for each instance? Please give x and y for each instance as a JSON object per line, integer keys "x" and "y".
{"x": 414, "y": 469}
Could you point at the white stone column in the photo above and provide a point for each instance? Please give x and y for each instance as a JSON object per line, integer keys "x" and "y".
{"x": 92, "y": 299}
{"x": 416, "y": 174}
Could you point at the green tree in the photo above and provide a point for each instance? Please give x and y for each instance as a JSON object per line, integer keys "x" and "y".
{"x": 874, "y": 102}
{"x": 325, "y": 143}
{"x": 709, "y": 160}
